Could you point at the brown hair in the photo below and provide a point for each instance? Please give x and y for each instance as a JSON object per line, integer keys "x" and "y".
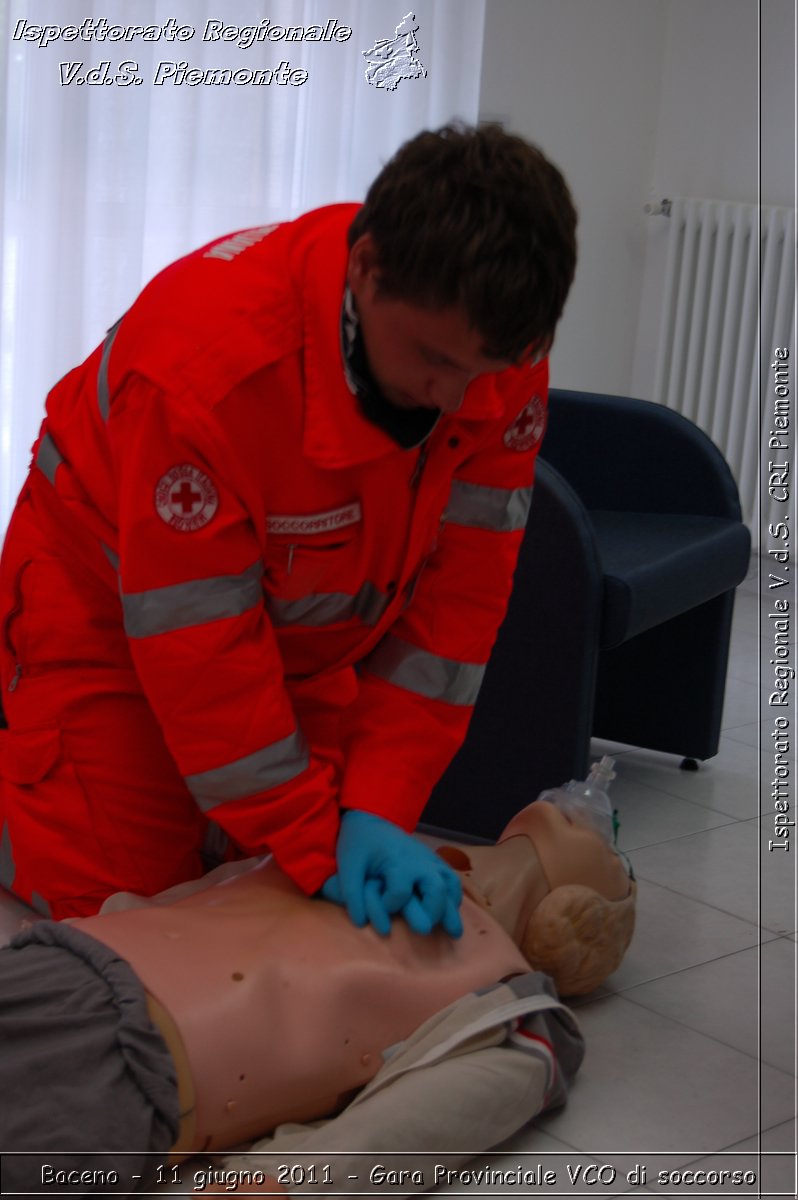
{"x": 478, "y": 219}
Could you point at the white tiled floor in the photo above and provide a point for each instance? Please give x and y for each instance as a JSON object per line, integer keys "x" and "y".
{"x": 691, "y": 1044}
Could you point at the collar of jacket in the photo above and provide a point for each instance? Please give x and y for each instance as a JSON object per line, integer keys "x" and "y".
{"x": 336, "y": 434}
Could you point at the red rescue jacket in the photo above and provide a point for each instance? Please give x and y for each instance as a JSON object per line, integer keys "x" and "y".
{"x": 309, "y": 607}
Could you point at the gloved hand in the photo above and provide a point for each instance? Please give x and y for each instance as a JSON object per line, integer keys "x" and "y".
{"x": 382, "y": 870}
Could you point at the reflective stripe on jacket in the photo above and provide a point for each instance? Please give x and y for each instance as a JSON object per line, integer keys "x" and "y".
{"x": 273, "y": 550}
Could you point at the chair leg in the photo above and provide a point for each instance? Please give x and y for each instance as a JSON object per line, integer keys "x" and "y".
{"x": 664, "y": 689}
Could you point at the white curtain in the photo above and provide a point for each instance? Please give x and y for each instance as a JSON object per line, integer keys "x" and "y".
{"x": 103, "y": 184}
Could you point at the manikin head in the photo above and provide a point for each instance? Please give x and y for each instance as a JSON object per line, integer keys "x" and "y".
{"x": 559, "y": 890}
{"x": 460, "y": 262}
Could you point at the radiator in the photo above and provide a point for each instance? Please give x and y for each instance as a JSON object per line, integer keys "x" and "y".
{"x": 717, "y": 337}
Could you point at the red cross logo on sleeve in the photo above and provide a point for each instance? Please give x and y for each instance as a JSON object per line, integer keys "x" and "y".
{"x": 186, "y": 498}
{"x": 528, "y": 427}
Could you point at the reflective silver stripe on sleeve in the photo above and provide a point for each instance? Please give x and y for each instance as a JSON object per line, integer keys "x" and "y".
{"x": 197, "y": 602}
{"x": 103, "y": 391}
{"x": 501, "y": 509}
{"x": 266, "y": 768}
{"x": 48, "y": 459}
{"x": 40, "y": 905}
{"x": 111, "y": 556}
{"x": 427, "y": 674}
{"x": 328, "y": 608}
{"x": 8, "y": 868}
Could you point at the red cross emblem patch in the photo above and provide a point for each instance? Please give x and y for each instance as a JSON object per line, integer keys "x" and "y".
{"x": 528, "y": 427}
{"x": 186, "y": 498}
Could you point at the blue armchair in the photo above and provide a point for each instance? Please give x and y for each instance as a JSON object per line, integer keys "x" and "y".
{"x": 620, "y": 619}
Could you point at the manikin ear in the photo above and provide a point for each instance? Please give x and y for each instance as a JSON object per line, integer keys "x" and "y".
{"x": 579, "y": 938}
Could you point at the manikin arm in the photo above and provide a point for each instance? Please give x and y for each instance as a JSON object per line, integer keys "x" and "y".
{"x": 469, "y": 1078}
{"x": 476, "y": 1103}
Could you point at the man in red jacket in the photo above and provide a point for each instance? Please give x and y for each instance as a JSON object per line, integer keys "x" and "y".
{"x": 268, "y": 536}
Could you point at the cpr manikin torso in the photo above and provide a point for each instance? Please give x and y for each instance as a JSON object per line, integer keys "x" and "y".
{"x": 283, "y": 1008}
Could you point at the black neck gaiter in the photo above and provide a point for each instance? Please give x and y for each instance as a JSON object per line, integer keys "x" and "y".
{"x": 408, "y": 427}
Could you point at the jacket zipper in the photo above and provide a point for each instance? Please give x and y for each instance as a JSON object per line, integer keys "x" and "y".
{"x": 15, "y": 610}
{"x": 421, "y": 462}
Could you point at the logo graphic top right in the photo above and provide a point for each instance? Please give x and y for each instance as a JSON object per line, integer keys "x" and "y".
{"x": 390, "y": 60}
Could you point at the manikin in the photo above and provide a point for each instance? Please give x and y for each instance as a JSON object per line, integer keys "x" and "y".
{"x": 245, "y": 1004}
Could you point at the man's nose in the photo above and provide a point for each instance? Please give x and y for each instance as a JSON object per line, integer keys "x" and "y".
{"x": 446, "y": 394}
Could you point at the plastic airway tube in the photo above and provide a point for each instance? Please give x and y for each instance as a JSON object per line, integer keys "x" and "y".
{"x": 586, "y": 801}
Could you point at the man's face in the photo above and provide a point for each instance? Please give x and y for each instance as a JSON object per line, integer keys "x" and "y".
{"x": 420, "y": 358}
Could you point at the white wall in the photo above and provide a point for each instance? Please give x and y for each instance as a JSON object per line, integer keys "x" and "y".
{"x": 777, "y": 124}
{"x": 581, "y": 78}
{"x": 707, "y": 130}
{"x": 636, "y": 100}
{"x": 708, "y": 141}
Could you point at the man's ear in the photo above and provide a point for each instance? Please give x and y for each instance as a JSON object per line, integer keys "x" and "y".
{"x": 363, "y": 266}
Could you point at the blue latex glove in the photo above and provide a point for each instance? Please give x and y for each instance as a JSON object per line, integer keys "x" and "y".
{"x": 382, "y": 871}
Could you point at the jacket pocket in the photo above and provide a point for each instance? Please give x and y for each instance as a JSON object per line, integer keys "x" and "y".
{"x": 298, "y": 566}
{"x": 53, "y": 841}
{"x": 29, "y": 756}
{"x": 11, "y": 633}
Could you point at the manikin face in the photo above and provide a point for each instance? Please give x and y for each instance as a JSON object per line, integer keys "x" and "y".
{"x": 420, "y": 358}
{"x": 570, "y": 852}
